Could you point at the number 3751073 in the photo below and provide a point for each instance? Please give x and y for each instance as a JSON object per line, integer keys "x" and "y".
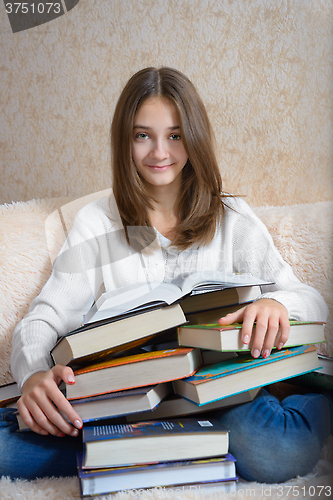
{"x": 33, "y": 8}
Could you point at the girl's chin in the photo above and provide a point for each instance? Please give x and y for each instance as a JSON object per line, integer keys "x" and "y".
{"x": 156, "y": 181}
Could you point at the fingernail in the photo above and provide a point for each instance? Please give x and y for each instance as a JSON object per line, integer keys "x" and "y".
{"x": 280, "y": 345}
{"x": 266, "y": 353}
{"x": 44, "y": 433}
{"x": 246, "y": 339}
{"x": 75, "y": 433}
{"x": 62, "y": 434}
{"x": 256, "y": 353}
{"x": 70, "y": 379}
{"x": 78, "y": 424}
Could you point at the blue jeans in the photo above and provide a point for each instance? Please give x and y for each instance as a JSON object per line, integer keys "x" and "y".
{"x": 275, "y": 441}
{"x": 271, "y": 441}
{"x": 27, "y": 455}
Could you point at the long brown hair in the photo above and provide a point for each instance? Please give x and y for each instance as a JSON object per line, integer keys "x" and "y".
{"x": 200, "y": 205}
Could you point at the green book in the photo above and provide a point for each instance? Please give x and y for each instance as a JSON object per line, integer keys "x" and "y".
{"x": 228, "y": 338}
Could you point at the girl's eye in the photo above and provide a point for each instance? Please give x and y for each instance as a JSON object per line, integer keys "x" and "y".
{"x": 142, "y": 135}
{"x": 175, "y": 137}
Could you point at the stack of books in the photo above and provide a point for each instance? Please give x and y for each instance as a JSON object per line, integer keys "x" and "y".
{"x": 145, "y": 361}
{"x": 127, "y": 350}
{"x": 219, "y": 380}
{"x": 153, "y": 454}
{"x": 125, "y": 358}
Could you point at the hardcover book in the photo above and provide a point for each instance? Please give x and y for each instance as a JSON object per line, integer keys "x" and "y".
{"x": 9, "y": 393}
{"x": 133, "y": 371}
{"x": 175, "y": 406}
{"x": 228, "y": 338}
{"x": 153, "y": 441}
{"x": 116, "y": 404}
{"x": 105, "y": 338}
{"x": 213, "y": 382}
{"x": 326, "y": 364}
{"x": 113, "y": 479}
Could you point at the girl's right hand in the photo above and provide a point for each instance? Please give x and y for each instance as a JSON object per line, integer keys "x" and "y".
{"x": 41, "y": 399}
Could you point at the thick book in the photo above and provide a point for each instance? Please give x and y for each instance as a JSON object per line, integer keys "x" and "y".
{"x": 210, "y": 316}
{"x": 217, "y": 381}
{"x": 216, "y": 299}
{"x": 187, "y": 288}
{"x": 104, "y": 338}
{"x": 9, "y": 393}
{"x": 153, "y": 441}
{"x": 326, "y": 364}
{"x": 137, "y": 401}
{"x": 120, "y": 403}
{"x": 176, "y": 406}
{"x": 113, "y": 479}
{"x": 228, "y": 338}
{"x": 133, "y": 371}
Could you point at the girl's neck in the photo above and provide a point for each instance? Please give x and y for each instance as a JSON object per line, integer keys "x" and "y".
{"x": 163, "y": 215}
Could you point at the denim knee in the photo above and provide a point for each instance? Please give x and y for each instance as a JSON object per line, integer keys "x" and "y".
{"x": 273, "y": 441}
{"x": 274, "y": 459}
{"x": 28, "y": 455}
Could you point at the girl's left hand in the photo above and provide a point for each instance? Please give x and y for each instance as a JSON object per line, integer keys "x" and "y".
{"x": 269, "y": 316}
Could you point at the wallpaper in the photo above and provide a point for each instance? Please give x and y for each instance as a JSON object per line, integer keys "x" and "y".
{"x": 262, "y": 67}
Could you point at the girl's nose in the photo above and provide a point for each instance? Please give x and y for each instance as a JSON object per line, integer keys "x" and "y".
{"x": 159, "y": 150}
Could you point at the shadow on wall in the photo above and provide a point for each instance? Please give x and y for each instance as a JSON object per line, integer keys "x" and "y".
{"x": 25, "y": 15}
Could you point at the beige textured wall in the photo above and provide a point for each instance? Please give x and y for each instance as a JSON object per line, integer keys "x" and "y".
{"x": 263, "y": 68}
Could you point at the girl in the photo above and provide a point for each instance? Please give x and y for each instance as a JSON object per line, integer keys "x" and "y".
{"x": 166, "y": 178}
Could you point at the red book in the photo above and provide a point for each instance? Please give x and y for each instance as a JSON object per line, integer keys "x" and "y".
{"x": 134, "y": 371}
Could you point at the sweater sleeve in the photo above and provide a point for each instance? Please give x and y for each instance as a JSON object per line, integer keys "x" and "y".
{"x": 255, "y": 252}
{"x": 59, "y": 307}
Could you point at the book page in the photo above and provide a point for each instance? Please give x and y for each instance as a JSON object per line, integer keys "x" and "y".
{"x": 204, "y": 281}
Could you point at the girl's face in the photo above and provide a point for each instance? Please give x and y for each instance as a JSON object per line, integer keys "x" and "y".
{"x": 157, "y": 148}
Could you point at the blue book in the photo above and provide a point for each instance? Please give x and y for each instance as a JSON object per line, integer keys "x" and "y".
{"x": 153, "y": 441}
{"x": 242, "y": 373}
{"x": 112, "y": 479}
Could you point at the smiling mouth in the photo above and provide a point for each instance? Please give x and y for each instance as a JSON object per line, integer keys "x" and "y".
{"x": 160, "y": 167}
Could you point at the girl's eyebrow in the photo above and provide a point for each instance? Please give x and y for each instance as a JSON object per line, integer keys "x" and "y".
{"x": 145, "y": 127}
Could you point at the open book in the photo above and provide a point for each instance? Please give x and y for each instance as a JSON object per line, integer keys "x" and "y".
{"x": 141, "y": 296}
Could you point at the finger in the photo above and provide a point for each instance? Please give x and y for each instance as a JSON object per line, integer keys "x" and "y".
{"x": 63, "y": 373}
{"x": 42, "y": 403}
{"x": 271, "y": 334}
{"x": 64, "y": 406}
{"x": 247, "y": 331}
{"x": 234, "y": 317}
{"x": 258, "y": 333}
{"x": 45, "y": 414}
{"x": 55, "y": 420}
{"x": 43, "y": 418}
{"x": 28, "y": 419}
{"x": 284, "y": 332}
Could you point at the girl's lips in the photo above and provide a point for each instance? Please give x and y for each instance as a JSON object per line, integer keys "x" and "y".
{"x": 159, "y": 167}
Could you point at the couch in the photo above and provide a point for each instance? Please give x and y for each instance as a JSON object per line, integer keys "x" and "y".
{"x": 31, "y": 234}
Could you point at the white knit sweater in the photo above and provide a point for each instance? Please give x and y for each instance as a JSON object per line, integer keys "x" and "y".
{"x": 97, "y": 258}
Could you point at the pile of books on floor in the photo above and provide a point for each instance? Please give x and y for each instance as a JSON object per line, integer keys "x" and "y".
{"x": 148, "y": 372}
{"x": 156, "y": 453}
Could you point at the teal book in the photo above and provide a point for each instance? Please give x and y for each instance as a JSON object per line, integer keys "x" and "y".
{"x": 153, "y": 441}
{"x": 233, "y": 376}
